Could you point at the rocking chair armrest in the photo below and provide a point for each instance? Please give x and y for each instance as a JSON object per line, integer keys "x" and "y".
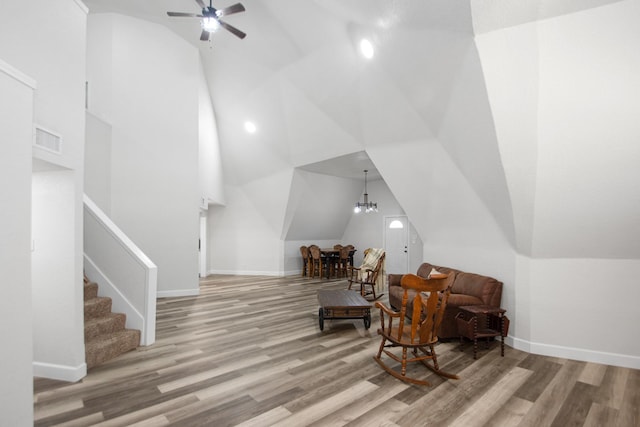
{"x": 386, "y": 310}
{"x": 392, "y": 315}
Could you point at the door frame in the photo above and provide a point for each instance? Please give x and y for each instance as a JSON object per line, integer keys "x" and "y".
{"x": 406, "y": 236}
{"x": 202, "y": 246}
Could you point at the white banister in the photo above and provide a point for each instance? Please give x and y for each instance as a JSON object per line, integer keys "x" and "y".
{"x": 123, "y": 272}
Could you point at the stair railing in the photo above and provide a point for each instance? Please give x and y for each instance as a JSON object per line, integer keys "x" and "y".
{"x": 123, "y": 272}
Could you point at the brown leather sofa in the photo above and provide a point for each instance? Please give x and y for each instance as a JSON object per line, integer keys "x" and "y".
{"x": 467, "y": 289}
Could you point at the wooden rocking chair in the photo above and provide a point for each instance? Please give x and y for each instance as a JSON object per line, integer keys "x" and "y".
{"x": 429, "y": 297}
{"x": 368, "y": 273}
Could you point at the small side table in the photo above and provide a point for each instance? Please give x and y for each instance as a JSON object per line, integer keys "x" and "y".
{"x": 495, "y": 324}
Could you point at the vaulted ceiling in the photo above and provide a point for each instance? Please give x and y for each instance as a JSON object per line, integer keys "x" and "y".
{"x": 461, "y": 85}
{"x": 306, "y": 52}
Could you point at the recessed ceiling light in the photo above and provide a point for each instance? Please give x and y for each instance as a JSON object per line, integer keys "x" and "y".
{"x": 366, "y": 48}
{"x": 250, "y": 127}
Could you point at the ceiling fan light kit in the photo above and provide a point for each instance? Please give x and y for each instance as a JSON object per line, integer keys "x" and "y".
{"x": 211, "y": 19}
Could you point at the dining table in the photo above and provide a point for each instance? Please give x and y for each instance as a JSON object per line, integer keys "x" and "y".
{"x": 329, "y": 255}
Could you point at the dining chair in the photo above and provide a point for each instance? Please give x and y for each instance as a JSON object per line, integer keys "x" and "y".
{"x": 315, "y": 261}
{"x": 304, "y": 252}
{"x": 343, "y": 261}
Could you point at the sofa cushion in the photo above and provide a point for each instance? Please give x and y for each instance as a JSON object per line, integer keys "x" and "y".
{"x": 485, "y": 288}
{"x": 460, "y": 300}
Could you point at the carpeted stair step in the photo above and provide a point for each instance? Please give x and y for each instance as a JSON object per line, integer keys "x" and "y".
{"x": 90, "y": 290}
{"x": 106, "y": 347}
{"x": 107, "y": 324}
{"x": 97, "y": 307}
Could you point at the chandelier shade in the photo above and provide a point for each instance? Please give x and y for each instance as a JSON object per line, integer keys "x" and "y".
{"x": 367, "y": 206}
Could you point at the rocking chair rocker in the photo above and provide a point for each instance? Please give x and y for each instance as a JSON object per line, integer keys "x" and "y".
{"x": 429, "y": 301}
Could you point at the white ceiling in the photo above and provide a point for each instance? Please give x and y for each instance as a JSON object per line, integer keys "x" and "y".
{"x": 305, "y": 52}
{"x": 485, "y": 87}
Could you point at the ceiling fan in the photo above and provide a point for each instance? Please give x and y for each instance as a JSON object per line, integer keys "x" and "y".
{"x": 211, "y": 18}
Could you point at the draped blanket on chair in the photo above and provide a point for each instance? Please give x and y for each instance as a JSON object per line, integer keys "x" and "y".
{"x": 370, "y": 262}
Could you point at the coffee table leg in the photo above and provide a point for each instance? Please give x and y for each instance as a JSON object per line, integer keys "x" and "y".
{"x": 367, "y": 320}
{"x": 321, "y": 318}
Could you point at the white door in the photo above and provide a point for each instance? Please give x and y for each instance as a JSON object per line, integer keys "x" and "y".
{"x": 202, "y": 246}
{"x": 396, "y": 244}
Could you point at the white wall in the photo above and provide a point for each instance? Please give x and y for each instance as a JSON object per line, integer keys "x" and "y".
{"x": 58, "y": 333}
{"x": 574, "y": 300}
{"x": 16, "y": 115}
{"x": 97, "y": 172}
{"x": 145, "y": 82}
{"x": 210, "y": 161}
{"x": 563, "y": 101}
{"x": 239, "y": 228}
{"x": 241, "y": 241}
{"x": 57, "y": 62}
{"x": 246, "y": 235}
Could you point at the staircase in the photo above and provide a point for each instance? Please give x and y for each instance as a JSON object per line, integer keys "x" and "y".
{"x": 105, "y": 336}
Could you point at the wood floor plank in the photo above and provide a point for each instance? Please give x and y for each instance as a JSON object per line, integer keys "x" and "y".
{"x": 593, "y": 374}
{"x": 359, "y": 407}
{"x": 576, "y": 406}
{"x": 554, "y": 395}
{"x": 154, "y": 413}
{"x": 612, "y": 387}
{"x": 59, "y": 407}
{"x": 249, "y": 351}
{"x": 484, "y": 408}
{"x": 511, "y": 413}
{"x": 452, "y": 397}
{"x": 601, "y": 415}
{"x": 268, "y": 418}
{"x": 86, "y": 421}
{"x": 322, "y": 408}
{"x": 629, "y": 413}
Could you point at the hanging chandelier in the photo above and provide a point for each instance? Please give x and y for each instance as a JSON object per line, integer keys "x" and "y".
{"x": 366, "y": 205}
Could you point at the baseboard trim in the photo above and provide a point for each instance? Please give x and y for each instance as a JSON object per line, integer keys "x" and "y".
{"x": 178, "y": 293}
{"x": 584, "y": 355}
{"x": 60, "y": 372}
{"x": 252, "y": 273}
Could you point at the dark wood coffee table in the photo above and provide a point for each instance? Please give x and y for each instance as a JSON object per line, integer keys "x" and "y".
{"x": 343, "y": 304}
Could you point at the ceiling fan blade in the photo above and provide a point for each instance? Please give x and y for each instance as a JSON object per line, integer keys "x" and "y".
{"x": 238, "y": 7}
{"x": 190, "y": 15}
{"x": 233, "y": 29}
{"x": 204, "y": 36}
{"x": 201, "y": 4}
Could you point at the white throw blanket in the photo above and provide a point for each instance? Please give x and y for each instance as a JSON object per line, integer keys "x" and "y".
{"x": 370, "y": 262}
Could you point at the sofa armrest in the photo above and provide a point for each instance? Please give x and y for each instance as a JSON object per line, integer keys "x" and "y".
{"x": 394, "y": 279}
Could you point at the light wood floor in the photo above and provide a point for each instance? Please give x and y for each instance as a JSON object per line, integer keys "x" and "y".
{"x": 248, "y": 351}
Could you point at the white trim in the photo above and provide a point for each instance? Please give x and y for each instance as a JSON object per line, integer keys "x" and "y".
{"x": 585, "y": 355}
{"x": 146, "y": 310}
{"x": 60, "y": 372}
{"x": 113, "y": 229}
{"x": 252, "y": 273}
{"x": 17, "y": 75}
